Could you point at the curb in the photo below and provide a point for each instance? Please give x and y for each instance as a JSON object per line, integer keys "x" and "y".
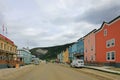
{"x": 103, "y": 70}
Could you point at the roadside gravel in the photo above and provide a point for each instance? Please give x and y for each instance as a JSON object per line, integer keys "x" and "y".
{"x": 8, "y": 73}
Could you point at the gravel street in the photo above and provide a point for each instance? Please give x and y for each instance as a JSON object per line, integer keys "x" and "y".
{"x": 55, "y": 72}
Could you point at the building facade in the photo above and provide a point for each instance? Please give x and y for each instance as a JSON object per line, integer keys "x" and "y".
{"x": 60, "y": 57}
{"x": 70, "y": 53}
{"x": 108, "y": 43}
{"x": 24, "y": 56}
{"x": 74, "y": 50}
{"x": 89, "y": 47}
{"x": 8, "y": 52}
{"x": 66, "y": 56}
{"x": 80, "y": 49}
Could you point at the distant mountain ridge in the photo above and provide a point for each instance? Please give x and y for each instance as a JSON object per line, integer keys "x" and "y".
{"x": 49, "y": 53}
{"x": 42, "y": 51}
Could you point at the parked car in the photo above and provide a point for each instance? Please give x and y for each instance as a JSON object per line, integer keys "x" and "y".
{"x": 36, "y": 61}
{"x": 77, "y": 63}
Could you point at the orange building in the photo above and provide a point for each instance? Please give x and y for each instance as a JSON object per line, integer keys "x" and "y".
{"x": 8, "y": 51}
{"x": 108, "y": 43}
{"x": 66, "y": 56}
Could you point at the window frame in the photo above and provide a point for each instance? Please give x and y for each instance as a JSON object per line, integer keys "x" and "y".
{"x": 109, "y": 42}
{"x": 113, "y": 52}
{"x": 110, "y": 56}
{"x": 105, "y": 32}
{"x": 112, "y": 41}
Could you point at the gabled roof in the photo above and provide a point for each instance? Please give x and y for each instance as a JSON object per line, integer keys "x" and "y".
{"x": 93, "y": 31}
{"x": 107, "y": 23}
{"x": 114, "y": 19}
{"x": 82, "y": 38}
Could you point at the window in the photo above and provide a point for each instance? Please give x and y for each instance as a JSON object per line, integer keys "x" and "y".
{"x": 13, "y": 49}
{"x": 1, "y": 45}
{"x": 86, "y": 50}
{"x": 111, "y": 55}
{"x": 108, "y": 56}
{"x": 91, "y": 48}
{"x": 91, "y": 57}
{"x": 4, "y": 46}
{"x": 86, "y": 58}
{"x": 105, "y": 32}
{"x": 110, "y": 43}
{"x": 10, "y": 48}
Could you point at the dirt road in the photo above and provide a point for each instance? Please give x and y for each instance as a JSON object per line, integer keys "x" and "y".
{"x": 53, "y": 72}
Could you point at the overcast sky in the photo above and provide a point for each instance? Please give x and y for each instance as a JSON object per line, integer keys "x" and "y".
{"x": 42, "y": 23}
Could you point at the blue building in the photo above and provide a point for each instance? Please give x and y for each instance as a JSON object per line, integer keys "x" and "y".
{"x": 76, "y": 51}
{"x": 70, "y": 53}
{"x": 72, "y": 50}
{"x": 24, "y": 55}
{"x": 60, "y": 57}
{"x": 80, "y": 49}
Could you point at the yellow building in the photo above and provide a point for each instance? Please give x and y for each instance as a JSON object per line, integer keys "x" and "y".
{"x": 8, "y": 51}
{"x": 66, "y": 56}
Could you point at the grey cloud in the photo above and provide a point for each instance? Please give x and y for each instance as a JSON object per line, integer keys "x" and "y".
{"x": 94, "y": 15}
{"x": 1, "y": 18}
{"x": 98, "y": 15}
{"x": 2, "y": 9}
{"x": 69, "y": 36}
{"x": 2, "y": 22}
{"x": 64, "y": 20}
{"x": 56, "y": 23}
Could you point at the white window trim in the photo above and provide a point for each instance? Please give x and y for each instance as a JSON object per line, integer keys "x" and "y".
{"x": 112, "y": 40}
{"x": 114, "y": 55}
{"x": 105, "y": 32}
{"x": 111, "y": 55}
{"x": 110, "y": 43}
{"x": 107, "y": 56}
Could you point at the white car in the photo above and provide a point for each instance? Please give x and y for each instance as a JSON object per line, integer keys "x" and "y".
{"x": 36, "y": 61}
{"x": 77, "y": 63}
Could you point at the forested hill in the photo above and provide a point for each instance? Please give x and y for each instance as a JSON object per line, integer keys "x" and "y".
{"x": 49, "y": 53}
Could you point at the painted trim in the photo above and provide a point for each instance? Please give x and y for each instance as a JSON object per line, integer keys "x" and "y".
{"x": 105, "y": 32}
{"x": 110, "y": 42}
{"x": 111, "y": 56}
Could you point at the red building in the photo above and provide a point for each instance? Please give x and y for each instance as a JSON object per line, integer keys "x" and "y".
{"x": 108, "y": 43}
